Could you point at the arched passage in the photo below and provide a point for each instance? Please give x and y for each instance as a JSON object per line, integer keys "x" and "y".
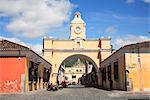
{"x": 74, "y": 67}
{"x": 82, "y": 57}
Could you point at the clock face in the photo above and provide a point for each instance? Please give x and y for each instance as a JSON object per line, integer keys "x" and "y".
{"x": 77, "y": 30}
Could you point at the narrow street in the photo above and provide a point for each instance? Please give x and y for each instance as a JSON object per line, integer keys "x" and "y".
{"x": 76, "y": 93}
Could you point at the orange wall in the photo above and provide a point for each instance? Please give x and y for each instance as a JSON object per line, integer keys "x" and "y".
{"x": 10, "y": 74}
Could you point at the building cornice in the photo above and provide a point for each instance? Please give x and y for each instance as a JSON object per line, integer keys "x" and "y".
{"x": 57, "y": 39}
{"x": 76, "y": 50}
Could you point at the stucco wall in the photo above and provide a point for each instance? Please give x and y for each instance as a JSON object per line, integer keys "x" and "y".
{"x": 74, "y": 35}
{"x": 69, "y": 44}
{"x": 11, "y": 71}
{"x": 55, "y": 51}
{"x": 136, "y": 74}
{"x": 120, "y": 82}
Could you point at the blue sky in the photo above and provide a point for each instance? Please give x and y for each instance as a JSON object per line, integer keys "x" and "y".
{"x": 125, "y": 21}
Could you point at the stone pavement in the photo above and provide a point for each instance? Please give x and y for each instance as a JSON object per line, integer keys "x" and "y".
{"x": 78, "y": 93}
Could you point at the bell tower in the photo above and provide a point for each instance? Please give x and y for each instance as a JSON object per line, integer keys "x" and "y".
{"x": 77, "y": 27}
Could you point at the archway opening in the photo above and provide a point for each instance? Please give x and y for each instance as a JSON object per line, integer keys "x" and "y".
{"x": 77, "y": 69}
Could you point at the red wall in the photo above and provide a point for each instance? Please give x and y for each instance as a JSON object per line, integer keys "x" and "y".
{"x": 10, "y": 74}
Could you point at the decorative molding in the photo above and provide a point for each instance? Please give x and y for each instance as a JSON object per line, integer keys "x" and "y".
{"x": 57, "y": 39}
{"x": 76, "y": 50}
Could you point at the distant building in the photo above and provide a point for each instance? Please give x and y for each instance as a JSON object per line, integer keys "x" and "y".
{"x": 74, "y": 72}
{"x": 21, "y": 69}
{"x": 127, "y": 69}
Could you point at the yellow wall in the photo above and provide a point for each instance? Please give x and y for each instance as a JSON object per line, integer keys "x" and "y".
{"x": 139, "y": 76}
{"x": 56, "y": 57}
{"x": 104, "y": 55}
{"x": 69, "y": 44}
{"x": 88, "y": 44}
{"x": 62, "y": 44}
{"x": 48, "y": 44}
{"x": 105, "y": 44}
{"x": 69, "y": 72}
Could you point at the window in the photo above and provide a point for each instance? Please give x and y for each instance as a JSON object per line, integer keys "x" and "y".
{"x": 77, "y": 70}
{"x": 80, "y": 70}
{"x": 116, "y": 74}
{"x": 73, "y": 76}
{"x": 78, "y": 44}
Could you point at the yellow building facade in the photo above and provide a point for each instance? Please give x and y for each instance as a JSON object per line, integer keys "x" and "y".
{"x": 56, "y": 51}
{"x": 75, "y": 72}
{"x": 139, "y": 72}
{"x": 127, "y": 69}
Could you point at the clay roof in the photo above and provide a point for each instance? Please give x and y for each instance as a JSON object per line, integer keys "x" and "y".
{"x": 8, "y": 45}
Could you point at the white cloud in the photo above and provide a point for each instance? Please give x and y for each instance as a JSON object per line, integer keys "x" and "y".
{"x": 35, "y": 47}
{"x": 129, "y": 39}
{"x": 33, "y": 18}
{"x": 14, "y": 40}
{"x": 111, "y": 30}
{"x": 130, "y": 1}
{"x": 147, "y": 1}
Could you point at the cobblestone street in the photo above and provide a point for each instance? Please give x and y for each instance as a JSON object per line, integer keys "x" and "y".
{"x": 76, "y": 94}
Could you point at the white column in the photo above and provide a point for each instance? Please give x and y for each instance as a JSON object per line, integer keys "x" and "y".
{"x": 41, "y": 83}
{"x": 81, "y": 46}
{"x": 75, "y": 43}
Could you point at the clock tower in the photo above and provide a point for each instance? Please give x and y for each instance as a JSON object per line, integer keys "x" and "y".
{"x": 77, "y": 27}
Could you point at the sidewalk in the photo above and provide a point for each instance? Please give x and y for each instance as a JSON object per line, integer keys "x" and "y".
{"x": 130, "y": 94}
{"x": 29, "y": 92}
